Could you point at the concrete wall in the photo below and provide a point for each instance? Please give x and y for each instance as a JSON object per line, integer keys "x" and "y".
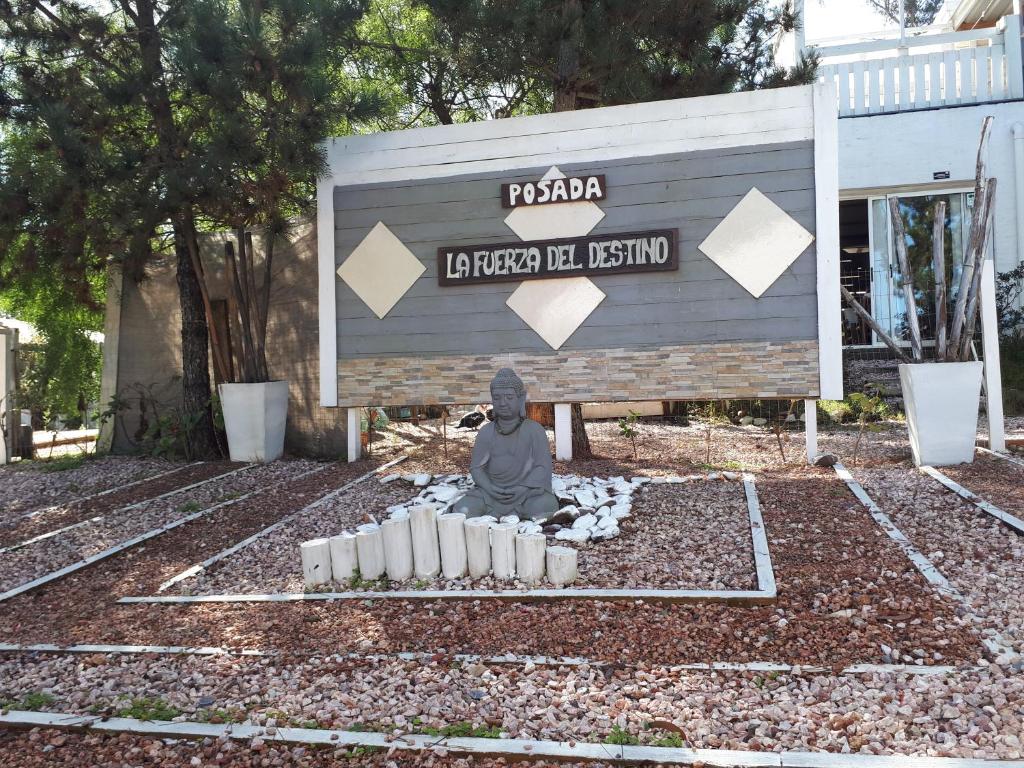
{"x": 149, "y": 344}
{"x": 885, "y": 153}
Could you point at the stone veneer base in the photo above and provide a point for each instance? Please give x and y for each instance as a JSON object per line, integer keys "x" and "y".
{"x": 723, "y": 370}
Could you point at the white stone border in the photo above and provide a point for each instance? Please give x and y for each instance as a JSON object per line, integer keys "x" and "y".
{"x": 199, "y": 567}
{"x": 1003, "y": 456}
{"x": 1005, "y": 517}
{"x": 764, "y": 594}
{"x": 15, "y": 591}
{"x": 473, "y": 658}
{"x": 515, "y": 749}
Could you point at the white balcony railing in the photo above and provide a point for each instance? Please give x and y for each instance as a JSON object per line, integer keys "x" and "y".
{"x": 946, "y": 69}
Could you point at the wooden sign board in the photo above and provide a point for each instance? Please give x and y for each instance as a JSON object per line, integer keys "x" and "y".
{"x": 650, "y": 251}
{"x": 572, "y": 189}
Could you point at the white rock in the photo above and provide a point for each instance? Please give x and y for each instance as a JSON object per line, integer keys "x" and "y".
{"x": 622, "y": 486}
{"x": 395, "y": 508}
{"x": 529, "y": 526}
{"x": 639, "y": 480}
{"x": 585, "y": 499}
{"x": 607, "y": 522}
{"x": 389, "y": 479}
{"x": 510, "y": 519}
{"x": 584, "y": 522}
{"x": 569, "y": 534}
{"x": 732, "y": 475}
{"x": 557, "y": 484}
{"x": 421, "y": 481}
{"x": 444, "y": 493}
{"x": 367, "y": 528}
{"x": 603, "y": 534}
{"x": 760, "y": 422}
{"x": 746, "y": 421}
{"x": 400, "y": 514}
{"x": 621, "y": 512}
{"x": 714, "y": 475}
{"x": 603, "y": 512}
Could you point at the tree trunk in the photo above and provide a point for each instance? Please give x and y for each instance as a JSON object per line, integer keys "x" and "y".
{"x": 566, "y": 89}
{"x": 567, "y": 75}
{"x": 195, "y": 356}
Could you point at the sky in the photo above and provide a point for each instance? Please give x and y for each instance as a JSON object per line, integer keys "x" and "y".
{"x": 836, "y": 18}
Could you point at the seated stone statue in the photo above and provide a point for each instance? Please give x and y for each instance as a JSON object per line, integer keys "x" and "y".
{"x": 511, "y": 462}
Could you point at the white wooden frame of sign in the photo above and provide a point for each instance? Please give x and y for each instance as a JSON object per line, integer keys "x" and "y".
{"x": 764, "y": 594}
{"x": 511, "y": 749}
{"x": 142, "y": 537}
{"x": 709, "y": 122}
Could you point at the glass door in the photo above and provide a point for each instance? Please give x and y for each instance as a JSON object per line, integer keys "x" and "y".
{"x": 889, "y": 306}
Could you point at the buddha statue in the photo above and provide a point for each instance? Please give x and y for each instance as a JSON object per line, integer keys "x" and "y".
{"x": 511, "y": 462}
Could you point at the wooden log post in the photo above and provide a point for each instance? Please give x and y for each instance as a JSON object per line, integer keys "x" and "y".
{"x": 503, "y": 550}
{"x": 426, "y": 552}
{"x": 864, "y": 315}
{"x": 370, "y": 550}
{"x": 478, "y": 547}
{"x": 344, "y": 559}
{"x": 561, "y": 565}
{"x": 397, "y": 536}
{"x": 451, "y": 534}
{"x": 316, "y": 562}
{"x": 907, "y": 280}
{"x": 530, "y": 557}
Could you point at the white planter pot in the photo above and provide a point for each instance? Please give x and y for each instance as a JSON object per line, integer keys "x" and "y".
{"x": 942, "y": 410}
{"x": 254, "y": 418}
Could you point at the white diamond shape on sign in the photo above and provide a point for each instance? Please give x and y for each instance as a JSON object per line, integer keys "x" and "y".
{"x": 756, "y": 242}
{"x": 555, "y": 308}
{"x": 554, "y": 220}
{"x": 380, "y": 270}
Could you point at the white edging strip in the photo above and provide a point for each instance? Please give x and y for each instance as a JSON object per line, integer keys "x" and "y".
{"x": 1003, "y": 456}
{"x": 742, "y": 597}
{"x": 515, "y": 749}
{"x": 54, "y": 507}
{"x": 472, "y": 658}
{"x": 142, "y": 537}
{"x": 759, "y": 539}
{"x": 199, "y": 567}
{"x": 764, "y": 594}
{"x": 134, "y": 505}
{"x": 1005, "y": 517}
{"x": 922, "y": 563}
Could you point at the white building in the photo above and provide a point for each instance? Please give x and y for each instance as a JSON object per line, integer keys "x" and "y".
{"x": 911, "y": 107}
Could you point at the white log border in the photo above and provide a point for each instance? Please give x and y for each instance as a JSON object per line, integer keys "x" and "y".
{"x": 991, "y": 509}
{"x": 515, "y": 749}
{"x": 200, "y": 567}
{"x": 80, "y": 499}
{"x": 134, "y": 505}
{"x": 765, "y": 593}
{"x": 1004, "y": 456}
{"x": 922, "y": 563}
{"x": 15, "y": 591}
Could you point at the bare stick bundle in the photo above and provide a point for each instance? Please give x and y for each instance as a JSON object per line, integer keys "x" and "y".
{"x": 953, "y": 335}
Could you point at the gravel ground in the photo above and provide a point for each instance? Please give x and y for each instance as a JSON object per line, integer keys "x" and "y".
{"x": 977, "y": 713}
{"x": 681, "y": 536}
{"x": 41, "y": 747}
{"x": 51, "y": 518}
{"x": 845, "y": 590}
{"x": 979, "y": 555}
{"x": 48, "y": 555}
{"x": 25, "y": 487}
{"x": 998, "y": 481}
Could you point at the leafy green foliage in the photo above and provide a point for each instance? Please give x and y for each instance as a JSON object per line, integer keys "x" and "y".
{"x": 464, "y": 729}
{"x": 671, "y": 740}
{"x": 620, "y": 736}
{"x": 627, "y": 428}
{"x": 33, "y": 702}
{"x": 61, "y": 463}
{"x": 146, "y": 708}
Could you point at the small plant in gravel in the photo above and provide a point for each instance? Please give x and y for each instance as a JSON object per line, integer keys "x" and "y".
{"x": 231, "y": 495}
{"x": 63, "y": 463}
{"x": 145, "y": 708}
{"x": 218, "y": 716}
{"x": 464, "y": 729}
{"x": 620, "y": 736}
{"x": 33, "y": 702}
{"x": 627, "y": 428}
{"x": 672, "y": 740}
{"x": 363, "y": 751}
{"x": 189, "y": 506}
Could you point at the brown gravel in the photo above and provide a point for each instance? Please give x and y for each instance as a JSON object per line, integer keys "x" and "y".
{"x": 828, "y": 553}
{"x": 18, "y": 530}
{"x": 51, "y": 748}
{"x": 997, "y": 481}
{"x": 25, "y": 486}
